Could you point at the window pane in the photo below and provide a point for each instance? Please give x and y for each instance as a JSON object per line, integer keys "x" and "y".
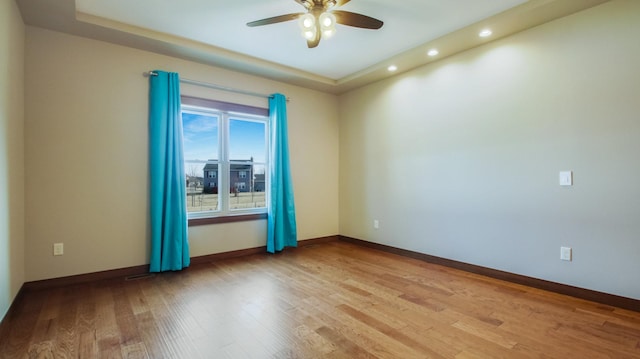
{"x": 200, "y": 136}
{"x": 247, "y": 141}
{"x": 249, "y": 191}
{"x": 202, "y": 188}
{"x": 200, "y": 143}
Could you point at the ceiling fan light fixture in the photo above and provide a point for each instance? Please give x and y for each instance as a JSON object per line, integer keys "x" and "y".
{"x": 327, "y": 20}
{"x": 327, "y": 24}
{"x": 309, "y": 34}
{"x": 328, "y": 33}
{"x": 307, "y": 22}
{"x": 320, "y": 20}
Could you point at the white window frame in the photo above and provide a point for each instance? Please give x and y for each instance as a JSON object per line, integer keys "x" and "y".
{"x": 224, "y": 163}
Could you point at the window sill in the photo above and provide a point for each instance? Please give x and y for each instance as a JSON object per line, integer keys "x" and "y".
{"x": 226, "y": 219}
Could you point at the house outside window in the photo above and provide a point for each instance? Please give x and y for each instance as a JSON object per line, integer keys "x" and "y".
{"x": 224, "y": 148}
{"x": 259, "y": 182}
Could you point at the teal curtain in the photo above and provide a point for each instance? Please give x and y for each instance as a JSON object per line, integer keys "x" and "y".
{"x": 168, "y": 210}
{"x": 281, "y": 222}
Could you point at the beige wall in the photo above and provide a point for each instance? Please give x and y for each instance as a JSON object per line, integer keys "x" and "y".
{"x": 86, "y": 151}
{"x": 12, "y": 33}
{"x": 457, "y": 159}
{"x": 460, "y": 159}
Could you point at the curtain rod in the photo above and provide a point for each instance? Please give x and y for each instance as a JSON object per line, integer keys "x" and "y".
{"x": 216, "y": 87}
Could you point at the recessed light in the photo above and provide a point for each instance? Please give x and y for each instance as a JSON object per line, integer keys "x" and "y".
{"x": 433, "y": 52}
{"x": 485, "y": 33}
{"x": 392, "y": 68}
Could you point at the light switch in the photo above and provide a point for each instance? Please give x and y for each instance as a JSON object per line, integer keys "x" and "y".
{"x": 566, "y": 178}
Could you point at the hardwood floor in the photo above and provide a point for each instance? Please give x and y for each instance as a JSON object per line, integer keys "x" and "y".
{"x": 331, "y": 300}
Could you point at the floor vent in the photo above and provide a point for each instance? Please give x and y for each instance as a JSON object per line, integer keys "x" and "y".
{"x": 139, "y": 276}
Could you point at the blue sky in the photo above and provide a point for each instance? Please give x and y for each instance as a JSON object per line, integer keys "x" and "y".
{"x": 202, "y": 133}
{"x": 246, "y": 140}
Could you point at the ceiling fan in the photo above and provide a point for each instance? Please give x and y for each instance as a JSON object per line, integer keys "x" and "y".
{"x": 320, "y": 19}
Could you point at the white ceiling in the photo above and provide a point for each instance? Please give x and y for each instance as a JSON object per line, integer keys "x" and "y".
{"x": 215, "y": 32}
{"x": 222, "y": 23}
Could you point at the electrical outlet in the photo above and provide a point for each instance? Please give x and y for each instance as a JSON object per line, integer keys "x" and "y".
{"x": 376, "y": 224}
{"x": 565, "y": 253}
{"x": 58, "y": 249}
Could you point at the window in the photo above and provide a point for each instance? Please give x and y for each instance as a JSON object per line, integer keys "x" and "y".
{"x": 225, "y": 147}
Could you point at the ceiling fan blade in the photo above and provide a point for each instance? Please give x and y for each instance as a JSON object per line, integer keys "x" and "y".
{"x": 275, "y": 19}
{"x": 341, "y": 2}
{"x": 356, "y": 20}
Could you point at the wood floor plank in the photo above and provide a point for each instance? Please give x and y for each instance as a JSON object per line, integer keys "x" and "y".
{"x": 67, "y": 336}
{"x": 150, "y": 333}
{"x": 366, "y": 336}
{"x": 346, "y": 346}
{"x": 135, "y": 351}
{"x": 20, "y": 327}
{"x": 87, "y": 345}
{"x": 392, "y": 333}
{"x": 529, "y": 332}
{"x": 331, "y": 300}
